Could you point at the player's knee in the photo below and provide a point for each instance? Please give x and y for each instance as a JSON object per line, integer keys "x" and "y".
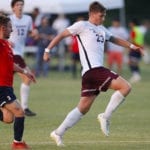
{"x": 7, "y": 117}
{"x": 127, "y": 88}
{"x": 84, "y": 108}
{"x": 8, "y": 120}
{"x": 19, "y": 112}
{"x": 27, "y": 81}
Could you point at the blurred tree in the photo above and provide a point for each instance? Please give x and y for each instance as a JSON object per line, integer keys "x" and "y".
{"x": 136, "y": 9}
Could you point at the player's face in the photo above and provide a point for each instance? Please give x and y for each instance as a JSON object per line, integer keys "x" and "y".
{"x": 7, "y": 30}
{"x": 18, "y": 7}
{"x": 98, "y": 17}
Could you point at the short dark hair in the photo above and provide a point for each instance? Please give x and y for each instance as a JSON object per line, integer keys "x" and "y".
{"x": 4, "y": 20}
{"x": 13, "y": 2}
{"x": 96, "y": 7}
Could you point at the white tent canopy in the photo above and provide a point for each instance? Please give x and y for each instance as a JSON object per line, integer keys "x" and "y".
{"x": 65, "y": 6}
{"x": 61, "y": 6}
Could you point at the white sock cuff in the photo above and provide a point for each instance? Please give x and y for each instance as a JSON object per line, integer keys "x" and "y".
{"x": 78, "y": 111}
{"x": 119, "y": 94}
{"x": 25, "y": 85}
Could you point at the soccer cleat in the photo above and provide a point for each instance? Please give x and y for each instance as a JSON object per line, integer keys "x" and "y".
{"x": 57, "y": 138}
{"x": 20, "y": 146}
{"x": 104, "y": 123}
{"x": 28, "y": 112}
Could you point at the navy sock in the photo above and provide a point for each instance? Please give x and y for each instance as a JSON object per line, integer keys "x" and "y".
{"x": 1, "y": 115}
{"x": 18, "y": 128}
{"x": 134, "y": 68}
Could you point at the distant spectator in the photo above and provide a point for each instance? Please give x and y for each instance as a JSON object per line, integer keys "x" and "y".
{"x": 136, "y": 37}
{"x": 59, "y": 24}
{"x": 147, "y": 44}
{"x": 45, "y": 35}
{"x": 144, "y": 25}
{"x": 115, "y": 52}
{"x": 37, "y": 17}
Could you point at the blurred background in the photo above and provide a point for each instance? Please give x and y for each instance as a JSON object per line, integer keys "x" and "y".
{"x": 59, "y": 14}
{"x": 130, "y": 7}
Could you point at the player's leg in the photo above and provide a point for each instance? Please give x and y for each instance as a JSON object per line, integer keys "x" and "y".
{"x": 122, "y": 89}
{"x": 25, "y": 86}
{"x": 72, "y": 118}
{"x": 75, "y": 59}
{"x": 88, "y": 95}
{"x": 24, "y": 94}
{"x": 16, "y": 109}
{"x": 6, "y": 116}
{"x": 134, "y": 59}
{"x": 46, "y": 67}
{"x": 18, "y": 112}
{"x": 119, "y": 61}
{"x": 10, "y": 105}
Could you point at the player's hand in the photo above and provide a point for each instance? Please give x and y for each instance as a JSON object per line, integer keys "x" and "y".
{"x": 141, "y": 50}
{"x": 46, "y": 56}
{"x": 136, "y": 48}
{"x": 30, "y": 75}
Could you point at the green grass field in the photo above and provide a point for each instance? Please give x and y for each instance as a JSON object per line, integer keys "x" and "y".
{"x": 53, "y": 97}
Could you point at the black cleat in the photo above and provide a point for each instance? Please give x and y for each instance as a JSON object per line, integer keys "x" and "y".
{"x": 28, "y": 112}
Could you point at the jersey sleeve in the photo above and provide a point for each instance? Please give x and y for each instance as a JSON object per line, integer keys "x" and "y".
{"x": 76, "y": 28}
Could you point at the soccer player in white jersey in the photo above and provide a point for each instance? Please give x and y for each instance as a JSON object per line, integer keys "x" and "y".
{"x": 22, "y": 25}
{"x": 91, "y": 37}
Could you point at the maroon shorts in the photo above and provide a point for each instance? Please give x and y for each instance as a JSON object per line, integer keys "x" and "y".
{"x": 96, "y": 80}
{"x": 20, "y": 61}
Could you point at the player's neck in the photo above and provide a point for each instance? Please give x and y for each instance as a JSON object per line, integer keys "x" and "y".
{"x": 2, "y": 36}
{"x": 18, "y": 15}
{"x": 92, "y": 22}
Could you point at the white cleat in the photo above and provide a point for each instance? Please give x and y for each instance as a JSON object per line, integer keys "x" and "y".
{"x": 57, "y": 138}
{"x": 104, "y": 124}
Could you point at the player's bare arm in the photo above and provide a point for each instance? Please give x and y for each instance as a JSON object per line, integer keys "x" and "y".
{"x": 125, "y": 44}
{"x": 29, "y": 74}
{"x": 54, "y": 42}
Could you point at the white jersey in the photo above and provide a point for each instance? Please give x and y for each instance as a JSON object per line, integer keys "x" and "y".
{"x": 20, "y": 27}
{"x": 91, "y": 40}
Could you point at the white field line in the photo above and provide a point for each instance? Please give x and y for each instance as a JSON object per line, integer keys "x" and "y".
{"x": 84, "y": 142}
